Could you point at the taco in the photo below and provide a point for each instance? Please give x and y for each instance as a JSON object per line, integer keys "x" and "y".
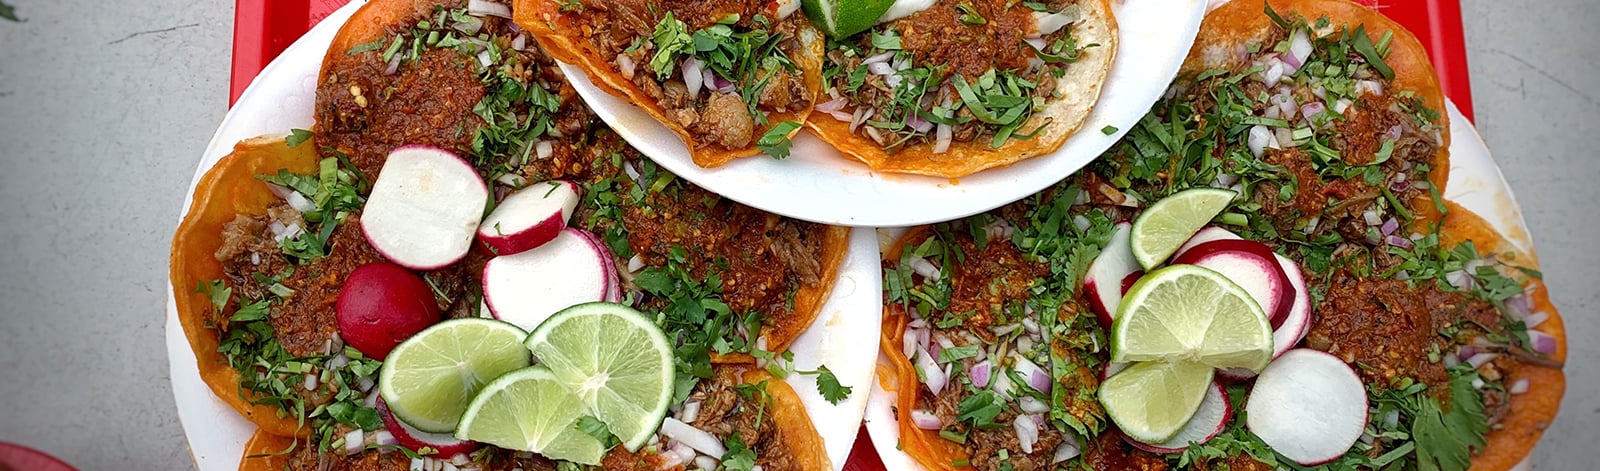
{"x": 742, "y": 404}
{"x": 1442, "y": 319}
{"x": 733, "y": 79}
{"x": 960, "y": 87}
{"x": 275, "y": 229}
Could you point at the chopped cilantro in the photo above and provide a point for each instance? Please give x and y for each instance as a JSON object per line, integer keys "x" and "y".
{"x": 297, "y": 137}
{"x": 739, "y": 456}
{"x": 775, "y": 142}
{"x": 597, "y": 429}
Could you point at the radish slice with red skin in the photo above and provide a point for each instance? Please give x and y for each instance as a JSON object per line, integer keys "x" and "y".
{"x": 613, "y": 280}
{"x": 1128, "y": 281}
{"x": 382, "y": 304}
{"x": 1309, "y": 406}
{"x": 1295, "y": 326}
{"x": 529, "y": 217}
{"x": 415, "y": 440}
{"x": 424, "y": 208}
{"x": 526, "y": 288}
{"x": 1252, "y": 266}
{"x": 1208, "y": 421}
{"x": 1107, "y": 273}
{"x": 1206, "y": 234}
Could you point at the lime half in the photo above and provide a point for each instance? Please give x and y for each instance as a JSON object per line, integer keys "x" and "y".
{"x": 843, "y": 18}
{"x": 1152, "y": 401}
{"x": 1162, "y": 228}
{"x": 530, "y": 410}
{"x": 428, "y": 379}
{"x": 1190, "y": 313}
{"x": 613, "y": 358}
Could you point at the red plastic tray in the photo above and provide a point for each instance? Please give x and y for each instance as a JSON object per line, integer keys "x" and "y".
{"x": 261, "y": 32}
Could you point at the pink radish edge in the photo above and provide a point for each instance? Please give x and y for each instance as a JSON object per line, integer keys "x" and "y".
{"x": 1107, "y": 275}
{"x": 541, "y": 302}
{"x": 1294, "y": 328}
{"x": 1254, "y": 267}
{"x": 1213, "y": 416}
{"x": 613, "y": 279}
{"x": 415, "y": 440}
{"x": 520, "y": 239}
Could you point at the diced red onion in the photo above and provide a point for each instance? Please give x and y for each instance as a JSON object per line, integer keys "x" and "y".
{"x": 384, "y": 438}
{"x": 626, "y": 66}
{"x": 1312, "y": 109}
{"x": 832, "y": 105}
{"x": 1283, "y": 137}
{"x": 1300, "y": 46}
{"x": 485, "y": 7}
{"x": 1533, "y": 320}
{"x": 1068, "y": 449}
{"x": 1390, "y": 226}
{"x": 311, "y": 381}
{"x": 1466, "y": 351}
{"x": 1399, "y": 242}
{"x": 926, "y": 420}
{"x": 912, "y": 342}
{"x": 1369, "y": 86}
{"x": 1032, "y": 406}
{"x": 879, "y": 59}
{"x": 1319, "y": 92}
{"x": 697, "y": 439}
{"x": 1479, "y": 359}
{"x": 691, "y": 411}
{"x": 1400, "y": 186}
{"x": 1392, "y": 134}
{"x": 1460, "y": 279}
{"x": 1372, "y": 217}
{"x": 691, "y": 76}
{"x": 1342, "y": 105}
{"x": 716, "y": 82}
{"x": 1519, "y": 386}
{"x": 880, "y": 68}
{"x": 1258, "y": 139}
{"x": 1027, "y": 432}
{"x": 979, "y": 374}
{"x": 916, "y": 122}
{"x": 394, "y": 64}
{"x": 1519, "y": 306}
{"x": 1542, "y": 342}
{"x": 861, "y": 115}
{"x": 1450, "y": 361}
{"x": 681, "y": 451}
{"x": 1290, "y": 64}
{"x": 1273, "y": 72}
{"x": 352, "y": 442}
{"x": 932, "y": 376}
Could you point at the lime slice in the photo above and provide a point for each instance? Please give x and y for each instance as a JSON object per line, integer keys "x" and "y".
{"x": 530, "y": 410}
{"x": 1190, "y": 313}
{"x": 1152, "y": 401}
{"x": 843, "y": 18}
{"x": 428, "y": 379}
{"x": 616, "y": 360}
{"x": 1167, "y": 224}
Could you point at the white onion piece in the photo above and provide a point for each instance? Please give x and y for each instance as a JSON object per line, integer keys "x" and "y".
{"x": 1257, "y": 141}
{"x": 1369, "y": 86}
{"x": 1047, "y": 23}
{"x": 544, "y": 149}
{"x": 299, "y": 202}
{"x": 1479, "y": 359}
{"x": 485, "y": 7}
{"x": 919, "y": 124}
{"x": 520, "y": 42}
{"x": 1033, "y": 406}
{"x": 926, "y": 420}
{"x": 1273, "y": 72}
{"x": 1068, "y": 449}
{"x": 1533, "y": 320}
{"x": 626, "y": 65}
{"x": 1519, "y": 386}
{"x": 1283, "y": 137}
{"x": 877, "y": 59}
{"x": 697, "y": 439}
{"x": 635, "y": 263}
{"x": 705, "y": 463}
{"x": 691, "y": 411}
{"x": 1027, "y": 432}
{"x": 932, "y": 376}
{"x": 911, "y": 342}
{"x": 1371, "y": 217}
{"x": 941, "y": 138}
{"x": 861, "y": 115}
{"x": 311, "y": 382}
{"x": 384, "y": 438}
{"x": 417, "y": 464}
{"x": 352, "y": 442}
{"x": 787, "y": 7}
{"x": 1342, "y": 105}
{"x": 692, "y": 78}
{"x": 835, "y": 104}
{"x": 922, "y": 266}
{"x": 880, "y": 68}
{"x": 483, "y": 58}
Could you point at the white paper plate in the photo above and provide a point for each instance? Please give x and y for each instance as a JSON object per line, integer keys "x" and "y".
{"x": 282, "y": 98}
{"x": 1475, "y": 183}
{"x": 816, "y": 183}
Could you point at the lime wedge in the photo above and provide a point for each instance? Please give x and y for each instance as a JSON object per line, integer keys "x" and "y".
{"x": 1152, "y": 401}
{"x": 1190, "y": 313}
{"x": 616, "y": 360}
{"x": 530, "y": 410}
{"x": 428, "y": 379}
{"x": 1167, "y": 224}
{"x": 843, "y": 18}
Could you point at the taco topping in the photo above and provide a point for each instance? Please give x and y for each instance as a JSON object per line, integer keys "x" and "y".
{"x": 956, "y": 72}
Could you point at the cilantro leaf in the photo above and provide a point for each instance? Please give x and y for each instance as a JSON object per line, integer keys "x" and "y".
{"x": 597, "y": 429}
{"x": 672, "y": 40}
{"x": 217, "y": 292}
{"x": 739, "y": 456}
{"x": 775, "y": 142}
{"x": 8, "y": 12}
{"x": 829, "y": 386}
{"x": 297, "y": 137}
{"x": 980, "y": 409}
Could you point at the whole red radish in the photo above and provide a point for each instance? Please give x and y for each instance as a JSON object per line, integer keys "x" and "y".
{"x": 381, "y": 305}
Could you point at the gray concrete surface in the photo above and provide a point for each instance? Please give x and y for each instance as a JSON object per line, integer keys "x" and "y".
{"x": 106, "y": 106}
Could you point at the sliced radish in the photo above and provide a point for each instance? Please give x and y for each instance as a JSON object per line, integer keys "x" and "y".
{"x": 415, "y": 440}
{"x": 1206, "y": 234}
{"x": 1112, "y": 369}
{"x": 1207, "y": 422}
{"x": 1308, "y": 406}
{"x": 526, "y": 288}
{"x": 1106, "y": 275}
{"x": 529, "y": 217}
{"x": 1252, "y": 266}
{"x": 424, "y": 208}
{"x": 1295, "y": 326}
{"x": 613, "y": 282}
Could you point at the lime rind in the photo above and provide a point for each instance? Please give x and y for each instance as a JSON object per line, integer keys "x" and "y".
{"x": 428, "y": 380}
{"x": 531, "y": 410}
{"x": 1152, "y": 401}
{"x": 616, "y": 360}
{"x": 844, "y": 18}
{"x": 1186, "y": 312}
{"x": 1162, "y": 228}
